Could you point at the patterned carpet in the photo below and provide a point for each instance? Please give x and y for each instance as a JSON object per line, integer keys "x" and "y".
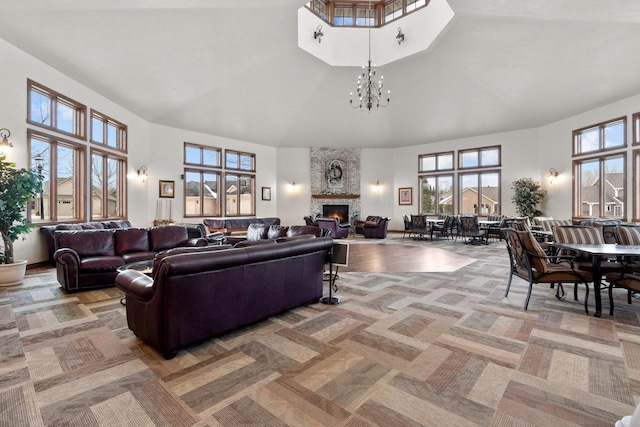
{"x": 402, "y": 349}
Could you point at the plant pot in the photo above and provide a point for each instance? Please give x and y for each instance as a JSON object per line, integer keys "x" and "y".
{"x": 13, "y": 274}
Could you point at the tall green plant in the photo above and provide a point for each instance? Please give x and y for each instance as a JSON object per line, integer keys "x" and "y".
{"x": 527, "y": 196}
{"x": 17, "y": 187}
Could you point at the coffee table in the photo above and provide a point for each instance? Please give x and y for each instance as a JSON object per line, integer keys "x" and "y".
{"x": 145, "y": 267}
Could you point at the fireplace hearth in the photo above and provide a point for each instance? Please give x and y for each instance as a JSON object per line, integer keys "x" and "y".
{"x": 336, "y": 211}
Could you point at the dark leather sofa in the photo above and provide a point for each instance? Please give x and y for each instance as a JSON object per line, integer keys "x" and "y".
{"x": 195, "y": 296}
{"x": 48, "y": 230}
{"x": 88, "y": 259}
{"x": 374, "y": 227}
{"x": 229, "y": 225}
{"x": 273, "y": 232}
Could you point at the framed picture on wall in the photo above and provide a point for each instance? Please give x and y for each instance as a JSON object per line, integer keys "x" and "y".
{"x": 167, "y": 188}
{"x": 266, "y": 193}
{"x": 405, "y": 196}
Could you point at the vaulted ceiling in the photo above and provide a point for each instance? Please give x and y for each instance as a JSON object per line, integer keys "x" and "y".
{"x": 233, "y": 67}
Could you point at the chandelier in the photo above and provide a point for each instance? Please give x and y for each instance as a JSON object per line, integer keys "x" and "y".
{"x": 369, "y": 93}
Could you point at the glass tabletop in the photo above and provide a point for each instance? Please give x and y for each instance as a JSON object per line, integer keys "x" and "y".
{"x": 145, "y": 267}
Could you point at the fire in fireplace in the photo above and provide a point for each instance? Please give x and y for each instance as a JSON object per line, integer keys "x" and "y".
{"x": 336, "y": 211}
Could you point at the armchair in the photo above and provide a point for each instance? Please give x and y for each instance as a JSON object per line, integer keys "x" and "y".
{"x": 338, "y": 230}
{"x": 376, "y": 229}
{"x": 529, "y": 262}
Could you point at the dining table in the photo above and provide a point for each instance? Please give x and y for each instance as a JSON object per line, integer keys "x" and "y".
{"x": 597, "y": 253}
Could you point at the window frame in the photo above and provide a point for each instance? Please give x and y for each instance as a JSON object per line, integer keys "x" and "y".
{"x": 79, "y": 179}
{"x": 121, "y": 131}
{"x": 479, "y": 172}
{"x": 436, "y": 176}
{"x": 436, "y": 156}
{"x": 636, "y": 185}
{"x": 575, "y": 134}
{"x": 227, "y": 152}
{"x": 201, "y": 172}
{"x": 378, "y": 7}
{"x": 576, "y": 192}
{"x": 635, "y": 122}
{"x": 55, "y": 98}
{"x": 479, "y": 151}
{"x": 240, "y": 175}
{"x": 202, "y": 149}
{"x": 121, "y": 187}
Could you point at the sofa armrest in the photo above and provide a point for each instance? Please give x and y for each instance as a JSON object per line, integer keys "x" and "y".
{"x": 66, "y": 256}
{"x": 194, "y": 242}
{"x": 135, "y": 284}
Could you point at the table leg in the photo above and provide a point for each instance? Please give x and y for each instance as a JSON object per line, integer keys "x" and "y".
{"x": 595, "y": 260}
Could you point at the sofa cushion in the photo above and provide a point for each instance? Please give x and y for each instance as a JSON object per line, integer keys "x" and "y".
{"x": 69, "y": 227}
{"x": 92, "y": 226}
{"x": 131, "y": 240}
{"x": 257, "y": 231}
{"x": 297, "y": 230}
{"x": 276, "y": 231}
{"x": 100, "y": 263}
{"x": 87, "y": 243}
{"x": 167, "y": 237}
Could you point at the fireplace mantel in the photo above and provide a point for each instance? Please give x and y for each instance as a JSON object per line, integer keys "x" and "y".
{"x": 335, "y": 196}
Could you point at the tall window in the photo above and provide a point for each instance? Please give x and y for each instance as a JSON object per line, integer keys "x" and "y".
{"x": 48, "y": 109}
{"x": 108, "y": 196}
{"x": 600, "y": 186}
{"x": 480, "y": 193}
{"x": 599, "y": 181}
{"x": 436, "y": 195}
{"x": 202, "y": 184}
{"x": 107, "y": 131}
{"x": 636, "y": 185}
{"x": 240, "y": 186}
{"x": 61, "y": 165}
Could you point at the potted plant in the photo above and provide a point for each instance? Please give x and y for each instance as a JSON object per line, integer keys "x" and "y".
{"x": 527, "y": 196}
{"x": 17, "y": 187}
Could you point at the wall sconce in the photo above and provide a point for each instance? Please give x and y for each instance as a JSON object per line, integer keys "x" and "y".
{"x": 377, "y": 186}
{"x": 553, "y": 174}
{"x": 400, "y": 36}
{"x": 294, "y": 187}
{"x": 142, "y": 174}
{"x": 318, "y": 34}
{"x": 5, "y": 145}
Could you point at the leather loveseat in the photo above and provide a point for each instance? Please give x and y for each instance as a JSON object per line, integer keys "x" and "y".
{"x": 88, "y": 259}
{"x": 192, "y": 297}
{"x": 258, "y": 231}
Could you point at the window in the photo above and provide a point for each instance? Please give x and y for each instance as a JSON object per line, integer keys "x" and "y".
{"x": 107, "y": 131}
{"x": 240, "y": 194}
{"x": 240, "y": 161}
{"x": 392, "y": 10}
{"x": 365, "y": 17}
{"x": 343, "y": 16}
{"x": 62, "y": 171}
{"x": 201, "y": 193}
{"x": 436, "y": 162}
{"x": 202, "y": 156}
{"x": 479, "y": 158}
{"x": 636, "y": 128}
{"x": 107, "y": 185}
{"x": 205, "y": 177}
{"x": 414, "y": 4}
{"x": 436, "y": 195}
{"x": 319, "y": 8}
{"x": 48, "y": 109}
{"x": 480, "y": 190}
{"x": 599, "y": 186}
{"x": 609, "y": 135}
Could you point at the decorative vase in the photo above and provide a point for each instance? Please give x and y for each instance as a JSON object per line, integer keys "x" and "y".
{"x": 13, "y": 274}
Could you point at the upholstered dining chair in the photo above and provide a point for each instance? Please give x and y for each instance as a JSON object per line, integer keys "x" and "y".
{"x": 419, "y": 226}
{"x": 529, "y": 262}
